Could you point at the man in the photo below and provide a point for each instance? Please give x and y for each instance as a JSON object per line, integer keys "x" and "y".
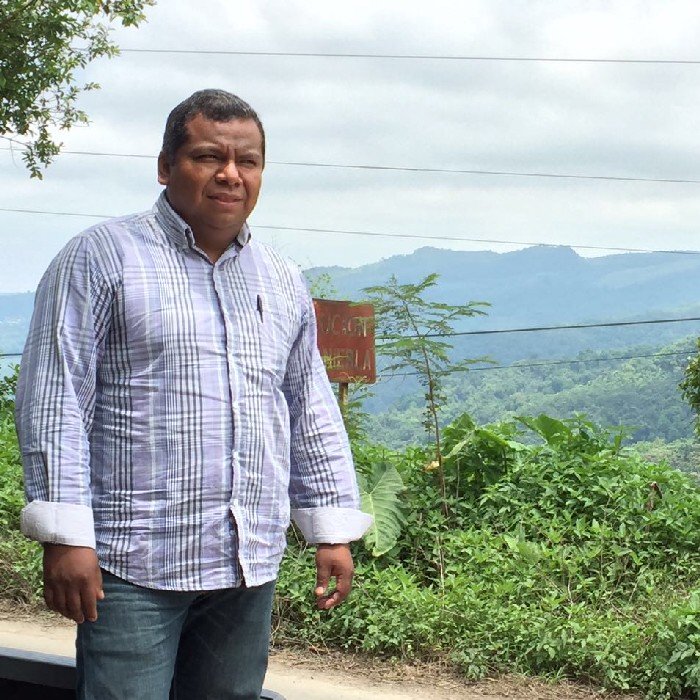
{"x": 171, "y": 406}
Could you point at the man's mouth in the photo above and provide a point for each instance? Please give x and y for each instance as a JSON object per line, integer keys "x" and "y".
{"x": 226, "y": 198}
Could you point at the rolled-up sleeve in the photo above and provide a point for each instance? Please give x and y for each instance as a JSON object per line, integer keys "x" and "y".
{"x": 56, "y": 397}
{"x": 323, "y": 489}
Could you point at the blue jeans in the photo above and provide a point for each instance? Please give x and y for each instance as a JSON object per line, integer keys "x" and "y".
{"x": 153, "y": 645}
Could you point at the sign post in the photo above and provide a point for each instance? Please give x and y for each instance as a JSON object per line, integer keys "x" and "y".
{"x": 345, "y": 338}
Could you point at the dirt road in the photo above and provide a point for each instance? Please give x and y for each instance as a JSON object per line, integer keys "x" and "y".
{"x": 306, "y": 677}
{"x": 286, "y": 675}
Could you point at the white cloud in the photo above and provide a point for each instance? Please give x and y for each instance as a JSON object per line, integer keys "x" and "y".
{"x": 592, "y": 118}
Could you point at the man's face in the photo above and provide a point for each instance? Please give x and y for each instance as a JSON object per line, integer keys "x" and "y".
{"x": 214, "y": 181}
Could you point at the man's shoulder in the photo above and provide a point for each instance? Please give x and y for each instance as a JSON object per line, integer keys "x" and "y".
{"x": 108, "y": 239}
{"x": 117, "y": 227}
{"x": 101, "y": 247}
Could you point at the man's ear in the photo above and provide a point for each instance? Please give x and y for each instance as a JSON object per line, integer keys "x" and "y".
{"x": 163, "y": 169}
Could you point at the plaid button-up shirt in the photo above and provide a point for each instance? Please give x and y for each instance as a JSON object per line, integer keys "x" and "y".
{"x": 170, "y": 409}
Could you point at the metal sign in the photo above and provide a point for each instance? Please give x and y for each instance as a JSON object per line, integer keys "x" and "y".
{"x": 345, "y": 338}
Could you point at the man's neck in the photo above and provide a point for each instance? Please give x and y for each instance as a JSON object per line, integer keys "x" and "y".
{"x": 214, "y": 246}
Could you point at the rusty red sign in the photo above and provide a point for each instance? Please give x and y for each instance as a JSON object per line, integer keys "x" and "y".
{"x": 345, "y": 339}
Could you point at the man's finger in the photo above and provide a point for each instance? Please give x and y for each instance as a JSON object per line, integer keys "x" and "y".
{"x": 88, "y": 597}
{"x": 323, "y": 575}
{"x": 58, "y": 602}
{"x": 343, "y": 584}
{"x": 333, "y": 561}
{"x": 49, "y": 598}
{"x": 74, "y": 606}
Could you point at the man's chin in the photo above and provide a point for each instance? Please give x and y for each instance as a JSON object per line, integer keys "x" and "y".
{"x": 224, "y": 226}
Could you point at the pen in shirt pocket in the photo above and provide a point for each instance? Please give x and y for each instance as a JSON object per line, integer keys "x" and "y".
{"x": 260, "y": 307}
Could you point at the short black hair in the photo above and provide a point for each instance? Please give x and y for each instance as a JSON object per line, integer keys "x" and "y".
{"x": 217, "y": 105}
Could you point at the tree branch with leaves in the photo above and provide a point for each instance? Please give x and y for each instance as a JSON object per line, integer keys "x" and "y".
{"x": 690, "y": 387}
{"x": 413, "y": 336}
{"x": 43, "y": 45}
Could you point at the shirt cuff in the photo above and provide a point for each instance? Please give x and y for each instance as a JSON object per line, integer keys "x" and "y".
{"x": 58, "y": 523}
{"x": 328, "y": 525}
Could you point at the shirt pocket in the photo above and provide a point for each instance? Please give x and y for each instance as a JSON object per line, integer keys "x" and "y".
{"x": 276, "y": 322}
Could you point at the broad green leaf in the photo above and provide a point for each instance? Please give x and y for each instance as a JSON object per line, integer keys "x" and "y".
{"x": 380, "y": 498}
{"x": 550, "y": 429}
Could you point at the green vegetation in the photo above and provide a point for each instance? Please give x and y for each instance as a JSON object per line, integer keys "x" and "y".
{"x": 20, "y": 563}
{"x": 567, "y": 557}
{"x": 412, "y": 334}
{"x": 690, "y": 386}
{"x": 43, "y": 44}
{"x": 683, "y": 455}
{"x": 641, "y": 394}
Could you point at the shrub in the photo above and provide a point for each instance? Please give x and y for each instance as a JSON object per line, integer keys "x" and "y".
{"x": 566, "y": 557}
{"x": 20, "y": 559}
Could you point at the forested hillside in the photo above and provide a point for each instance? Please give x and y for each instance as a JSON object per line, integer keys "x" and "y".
{"x": 641, "y": 394}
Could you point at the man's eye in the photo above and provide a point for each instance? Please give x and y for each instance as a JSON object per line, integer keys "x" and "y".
{"x": 207, "y": 157}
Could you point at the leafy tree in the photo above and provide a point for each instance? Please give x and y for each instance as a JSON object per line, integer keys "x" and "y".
{"x": 690, "y": 386}
{"x": 321, "y": 285}
{"x": 43, "y": 43}
{"x": 412, "y": 332}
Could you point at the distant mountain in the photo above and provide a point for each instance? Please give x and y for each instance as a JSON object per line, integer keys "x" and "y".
{"x": 532, "y": 287}
{"x": 538, "y": 286}
{"x": 542, "y": 286}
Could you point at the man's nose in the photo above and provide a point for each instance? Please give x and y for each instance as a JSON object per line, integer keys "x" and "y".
{"x": 228, "y": 172}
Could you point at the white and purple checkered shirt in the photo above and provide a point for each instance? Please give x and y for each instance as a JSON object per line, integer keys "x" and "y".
{"x": 170, "y": 409}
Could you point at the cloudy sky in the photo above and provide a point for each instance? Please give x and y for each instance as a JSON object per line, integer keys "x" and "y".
{"x": 611, "y": 119}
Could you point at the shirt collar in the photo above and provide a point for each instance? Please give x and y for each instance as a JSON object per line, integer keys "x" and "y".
{"x": 179, "y": 232}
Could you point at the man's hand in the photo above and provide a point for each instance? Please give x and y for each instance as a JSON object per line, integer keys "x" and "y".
{"x": 72, "y": 581}
{"x": 333, "y": 561}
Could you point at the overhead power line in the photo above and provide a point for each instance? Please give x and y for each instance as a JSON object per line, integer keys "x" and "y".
{"x": 518, "y": 365}
{"x": 546, "y": 363}
{"x": 538, "y": 329}
{"x": 58, "y": 213}
{"x": 417, "y": 57}
{"x": 412, "y": 236}
{"x": 478, "y": 240}
{"x": 413, "y": 169}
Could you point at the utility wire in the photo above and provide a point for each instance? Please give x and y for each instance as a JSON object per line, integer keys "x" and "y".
{"x": 476, "y": 240}
{"x": 537, "y": 329}
{"x": 412, "y": 169}
{"x": 419, "y": 57}
{"x": 511, "y": 366}
{"x": 548, "y": 363}
{"x": 413, "y": 236}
